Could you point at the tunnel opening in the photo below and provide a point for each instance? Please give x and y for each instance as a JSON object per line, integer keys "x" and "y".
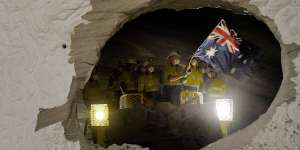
{"x": 153, "y": 36}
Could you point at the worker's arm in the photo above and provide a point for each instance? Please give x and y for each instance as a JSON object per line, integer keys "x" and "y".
{"x": 182, "y": 65}
{"x": 176, "y": 78}
{"x": 184, "y": 75}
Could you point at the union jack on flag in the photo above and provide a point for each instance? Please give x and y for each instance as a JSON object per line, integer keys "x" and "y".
{"x": 224, "y": 37}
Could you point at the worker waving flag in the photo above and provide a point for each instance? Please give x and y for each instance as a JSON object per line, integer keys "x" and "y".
{"x": 220, "y": 49}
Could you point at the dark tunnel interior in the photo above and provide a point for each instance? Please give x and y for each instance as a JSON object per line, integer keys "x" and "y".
{"x": 154, "y": 35}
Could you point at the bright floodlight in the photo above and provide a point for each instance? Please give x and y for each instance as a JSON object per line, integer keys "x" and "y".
{"x": 99, "y": 115}
{"x": 224, "y": 109}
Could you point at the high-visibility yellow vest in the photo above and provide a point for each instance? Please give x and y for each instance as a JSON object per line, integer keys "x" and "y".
{"x": 217, "y": 87}
{"x": 148, "y": 83}
{"x": 129, "y": 80}
{"x": 170, "y": 70}
{"x": 195, "y": 78}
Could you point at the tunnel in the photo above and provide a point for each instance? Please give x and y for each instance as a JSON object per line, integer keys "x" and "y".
{"x": 153, "y": 36}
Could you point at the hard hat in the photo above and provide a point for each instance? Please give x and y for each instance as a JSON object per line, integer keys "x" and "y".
{"x": 131, "y": 61}
{"x": 174, "y": 53}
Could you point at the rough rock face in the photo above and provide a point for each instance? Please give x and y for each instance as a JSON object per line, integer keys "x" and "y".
{"x": 282, "y": 132}
{"x": 35, "y": 72}
{"x": 285, "y": 14}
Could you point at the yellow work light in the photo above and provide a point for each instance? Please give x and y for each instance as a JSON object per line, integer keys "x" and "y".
{"x": 224, "y": 109}
{"x": 99, "y": 115}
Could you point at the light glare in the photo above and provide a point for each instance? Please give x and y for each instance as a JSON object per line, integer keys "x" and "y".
{"x": 99, "y": 115}
{"x": 224, "y": 109}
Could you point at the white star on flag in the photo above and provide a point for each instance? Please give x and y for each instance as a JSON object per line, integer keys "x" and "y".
{"x": 211, "y": 52}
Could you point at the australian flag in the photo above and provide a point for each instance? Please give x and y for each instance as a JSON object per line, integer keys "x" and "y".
{"x": 221, "y": 50}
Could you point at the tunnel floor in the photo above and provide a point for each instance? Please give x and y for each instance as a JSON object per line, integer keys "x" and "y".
{"x": 192, "y": 126}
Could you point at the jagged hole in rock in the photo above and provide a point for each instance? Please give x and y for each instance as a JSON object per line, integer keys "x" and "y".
{"x": 165, "y": 126}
